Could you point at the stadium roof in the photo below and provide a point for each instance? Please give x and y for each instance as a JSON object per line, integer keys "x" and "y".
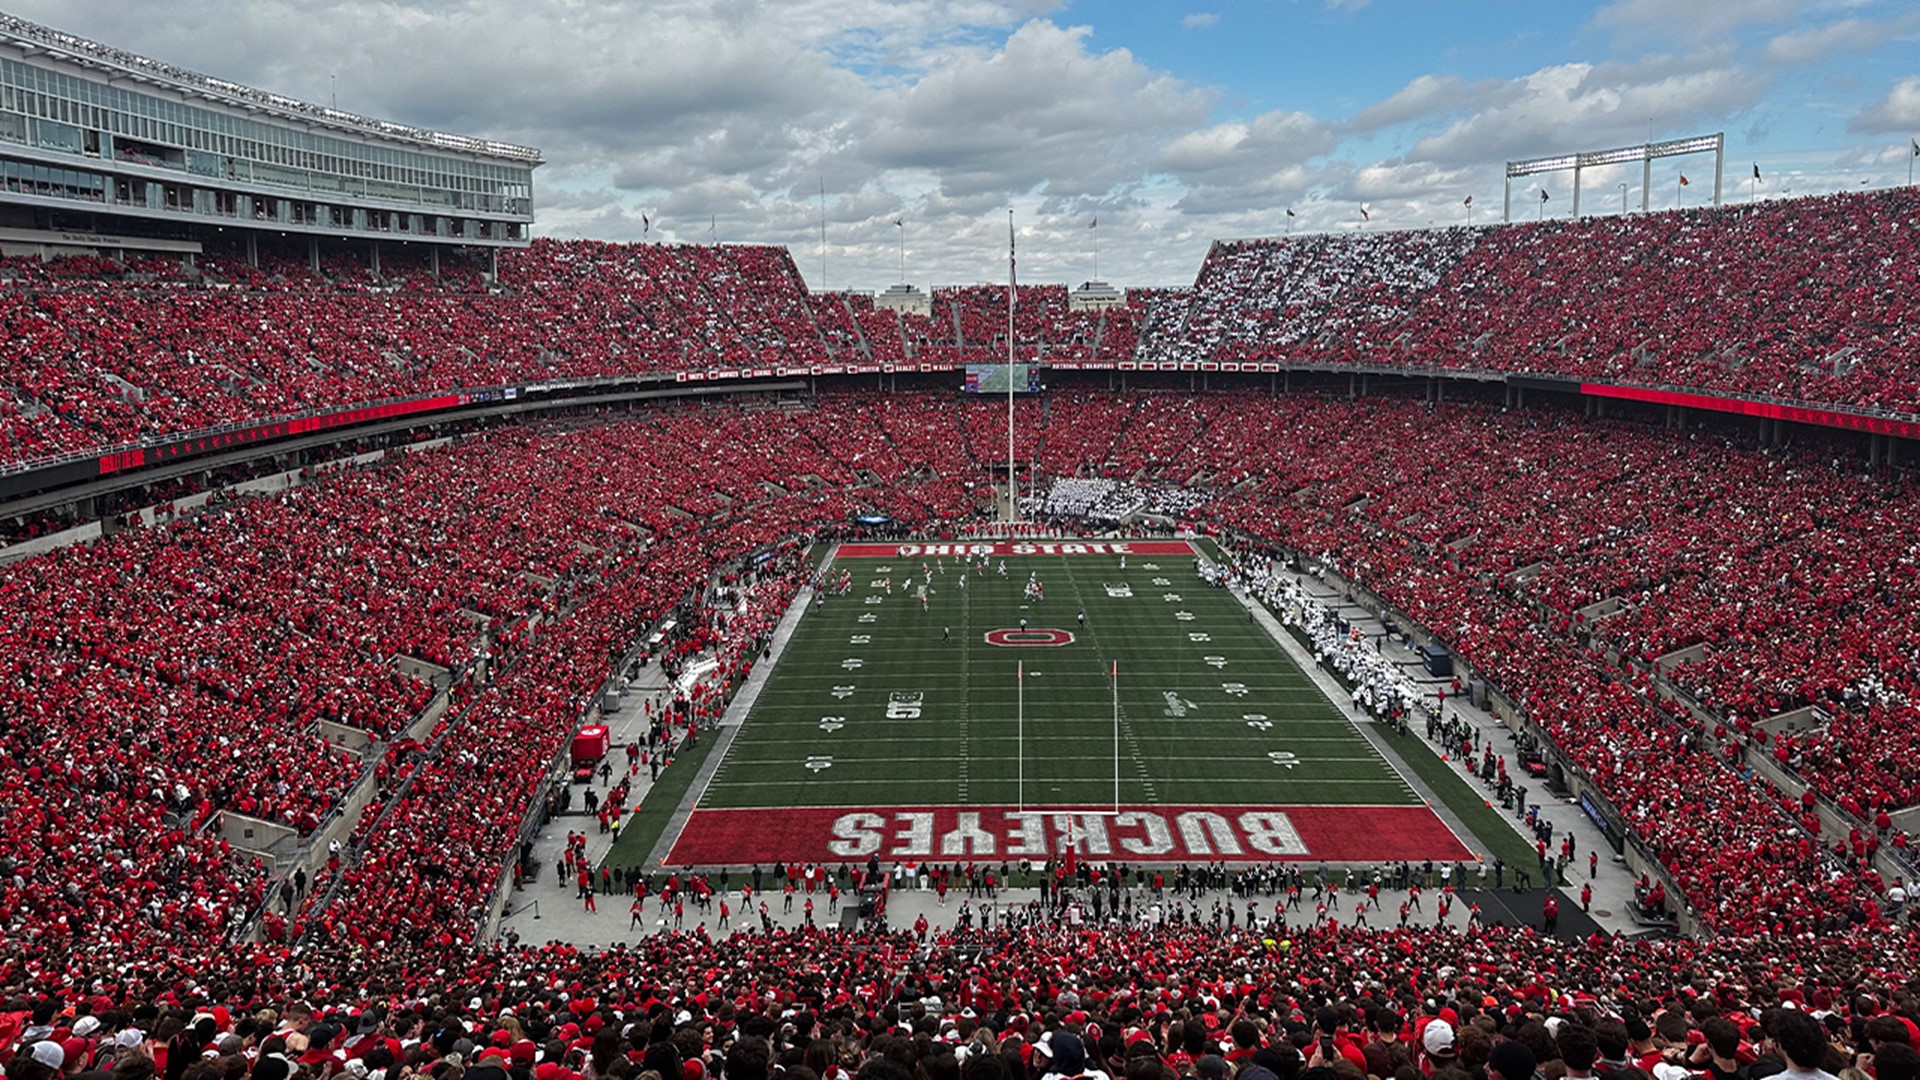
{"x": 44, "y": 39}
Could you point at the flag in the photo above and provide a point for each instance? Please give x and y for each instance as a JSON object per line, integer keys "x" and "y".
{"x": 1012, "y": 263}
{"x": 1684, "y": 181}
{"x": 1916, "y": 148}
{"x": 646, "y": 223}
{"x": 1469, "y": 201}
{"x": 1756, "y": 170}
{"x": 1365, "y": 214}
{"x": 1094, "y": 224}
{"x": 1543, "y": 195}
{"x": 899, "y": 223}
{"x": 1290, "y": 212}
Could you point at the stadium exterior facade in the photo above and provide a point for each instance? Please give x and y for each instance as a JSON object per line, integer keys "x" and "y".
{"x": 102, "y": 149}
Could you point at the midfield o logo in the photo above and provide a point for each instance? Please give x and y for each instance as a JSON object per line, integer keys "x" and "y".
{"x": 1032, "y": 637}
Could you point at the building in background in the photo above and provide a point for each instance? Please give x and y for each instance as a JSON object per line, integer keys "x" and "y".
{"x": 103, "y": 150}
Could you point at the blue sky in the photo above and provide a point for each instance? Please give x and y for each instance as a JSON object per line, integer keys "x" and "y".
{"x": 1172, "y": 124}
{"x": 1335, "y": 60}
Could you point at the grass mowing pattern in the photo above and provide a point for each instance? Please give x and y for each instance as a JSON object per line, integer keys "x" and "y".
{"x": 870, "y": 705}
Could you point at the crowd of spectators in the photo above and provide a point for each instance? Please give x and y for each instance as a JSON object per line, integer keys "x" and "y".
{"x": 1503, "y": 1003}
{"x": 157, "y": 681}
{"x": 162, "y": 678}
{"x": 1803, "y": 299}
{"x": 972, "y": 320}
{"x": 1579, "y": 504}
{"x": 1282, "y": 299}
{"x": 1806, "y": 299}
{"x": 97, "y": 354}
{"x": 1495, "y": 529}
{"x": 1101, "y": 502}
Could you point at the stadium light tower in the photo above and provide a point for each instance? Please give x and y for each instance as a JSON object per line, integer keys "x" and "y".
{"x": 1643, "y": 153}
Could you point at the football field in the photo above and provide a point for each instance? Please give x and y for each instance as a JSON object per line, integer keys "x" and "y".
{"x": 1132, "y": 712}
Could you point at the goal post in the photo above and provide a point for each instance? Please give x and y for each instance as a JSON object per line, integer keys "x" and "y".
{"x": 1020, "y": 741}
{"x": 1644, "y": 153}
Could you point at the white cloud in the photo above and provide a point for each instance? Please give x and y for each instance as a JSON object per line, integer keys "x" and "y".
{"x": 1278, "y": 137}
{"x": 1897, "y": 111}
{"x": 728, "y": 114}
{"x": 1041, "y": 112}
{"x": 1589, "y": 106}
{"x": 1804, "y": 46}
{"x": 1425, "y": 95}
{"x": 1384, "y": 181}
{"x": 1242, "y": 164}
{"x": 1697, "y": 22}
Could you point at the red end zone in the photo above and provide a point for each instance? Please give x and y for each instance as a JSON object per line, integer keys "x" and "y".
{"x": 1015, "y": 547}
{"x": 1138, "y": 834}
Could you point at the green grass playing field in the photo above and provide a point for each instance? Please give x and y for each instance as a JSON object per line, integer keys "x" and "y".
{"x": 876, "y": 702}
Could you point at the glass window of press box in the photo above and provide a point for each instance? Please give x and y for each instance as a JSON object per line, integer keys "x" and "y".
{"x": 53, "y": 110}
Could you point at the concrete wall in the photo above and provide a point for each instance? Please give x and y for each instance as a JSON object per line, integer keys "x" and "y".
{"x": 258, "y": 836}
{"x": 340, "y": 825}
{"x": 1793, "y": 722}
{"x": 429, "y": 716}
{"x": 1907, "y": 820}
{"x": 1593, "y": 613}
{"x": 53, "y": 541}
{"x": 1691, "y": 654}
{"x": 431, "y": 674}
{"x": 348, "y": 739}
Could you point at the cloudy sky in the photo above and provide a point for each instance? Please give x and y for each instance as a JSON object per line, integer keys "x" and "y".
{"x": 1172, "y": 124}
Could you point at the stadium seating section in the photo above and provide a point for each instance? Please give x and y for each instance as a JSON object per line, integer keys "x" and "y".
{"x": 1755, "y": 300}
{"x": 1807, "y": 300}
{"x": 152, "y": 683}
{"x": 1144, "y": 1004}
{"x": 181, "y": 672}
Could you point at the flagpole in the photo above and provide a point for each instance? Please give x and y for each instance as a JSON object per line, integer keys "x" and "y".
{"x": 823, "y": 232}
{"x": 1013, "y": 485}
{"x": 1096, "y": 249}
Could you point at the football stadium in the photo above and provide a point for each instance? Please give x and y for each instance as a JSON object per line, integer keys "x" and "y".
{"x": 458, "y": 633}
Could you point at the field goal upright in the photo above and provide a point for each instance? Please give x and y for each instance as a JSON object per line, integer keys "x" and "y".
{"x": 1020, "y": 741}
{"x": 1716, "y": 144}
